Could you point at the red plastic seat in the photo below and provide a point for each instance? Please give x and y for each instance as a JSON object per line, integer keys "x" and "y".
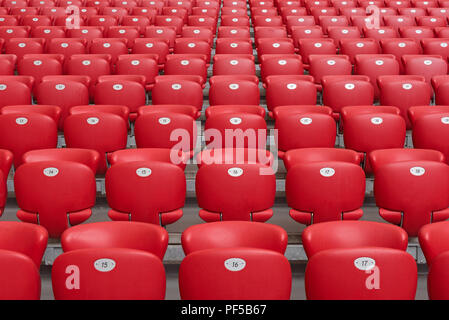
{"x": 128, "y": 33}
{"x": 147, "y": 154}
{"x": 163, "y": 32}
{"x": 231, "y": 130}
{"x": 332, "y": 21}
{"x": 22, "y": 46}
{"x": 305, "y": 155}
{"x": 19, "y": 277}
{"x": 226, "y": 64}
{"x": 299, "y": 21}
{"x": 45, "y": 200}
{"x": 434, "y": 243}
{"x": 228, "y": 234}
{"x": 145, "y": 191}
{"x": 437, "y": 277}
{"x": 217, "y": 183}
{"x": 126, "y": 90}
{"x": 7, "y": 20}
{"x": 169, "y": 21}
{"x": 186, "y": 64}
{"x": 40, "y": 65}
{"x": 34, "y": 20}
{"x": 425, "y": 65}
{"x": 234, "y": 21}
{"x": 145, "y": 65}
{"x": 21, "y": 132}
{"x": 176, "y": 108}
{"x": 374, "y": 66}
{"x": 48, "y": 32}
{"x": 339, "y": 33}
{"x": 318, "y": 46}
{"x": 104, "y": 21}
{"x": 269, "y": 32}
{"x": 197, "y": 33}
{"x": 202, "y": 21}
{"x": 87, "y": 157}
{"x": 230, "y": 32}
{"x": 342, "y": 91}
{"x": 64, "y": 92}
{"x": 267, "y": 21}
{"x": 326, "y": 65}
{"x": 304, "y": 130}
{"x": 366, "y": 131}
{"x": 342, "y": 184}
{"x": 186, "y": 46}
{"x": 165, "y": 129}
{"x": 117, "y": 234}
{"x": 137, "y": 275}
{"x": 353, "y": 47}
{"x": 404, "y": 201}
{"x": 381, "y": 157}
{"x": 88, "y": 33}
{"x": 289, "y": 90}
{"x": 282, "y": 64}
{"x": 207, "y": 11}
{"x": 109, "y": 46}
{"x": 177, "y": 91}
{"x": 436, "y": 46}
{"x": 157, "y": 46}
{"x": 399, "y": 21}
{"x": 138, "y": 21}
{"x": 324, "y": 236}
{"x": 15, "y": 90}
{"x": 66, "y": 46}
{"x": 25, "y": 238}
{"x": 233, "y": 46}
{"x": 9, "y": 32}
{"x": 53, "y": 112}
{"x": 353, "y": 274}
{"x": 230, "y": 90}
{"x": 5, "y": 165}
{"x": 275, "y": 46}
{"x": 230, "y": 281}
{"x": 381, "y": 33}
{"x": 404, "y": 92}
{"x": 92, "y": 65}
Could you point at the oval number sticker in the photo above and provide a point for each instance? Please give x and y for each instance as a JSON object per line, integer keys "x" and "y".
{"x": 364, "y": 263}
{"x": 235, "y": 264}
{"x": 104, "y": 265}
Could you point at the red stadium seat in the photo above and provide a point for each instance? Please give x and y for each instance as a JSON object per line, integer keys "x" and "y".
{"x": 366, "y": 131}
{"x": 101, "y": 131}
{"x": 404, "y": 92}
{"x": 231, "y": 90}
{"x": 433, "y": 239}
{"x": 22, "y": 46}
{"x": 242, "y": 278}
{"x": 186, "y": 46}
{"x": 343, "y": 91}
{"x": 439, "y": 84}
{"x": 10, "y": 32}
{"x": 304, "y": 130}
{"x": 152, "y": 201}
{"x": 375, "y": 65}
{"x": 145, "y": 65}
{"x": 197, "y": 33}
{"x": 436, "y": 46}
{"x": 22, "y": 132}
{"x": 226, "y": 64}
{"x": 186, "y": 64}
{"x": 324, "y": 236}
{"x": 217, "y": 183}
{"x": 157, "y": 46}
{"x": 234, "y": 21}
{"x": 289, "y": 90}
{"x": 238, "y": 234}
{"x": 34, "y": 20}
{"x": 176, "y": 108}
{"x": 25, "y": 238}
{"x": 7, "y": 64}
{"x": 92, "y": 65}
{"x": 109, "y": 46}
{"x": 177, "y": 91}
{"x": 381, "y": 33}
{"x": 88, "y": 33}
{"x": 48, "y": 32}
{"x": 40, "y": 65}
{"x": 326, "y": 65}
{"x": 53, "y": 112}
{"x": 45, "y": 201}
{"x": 231, "y": 130}
{"x": 233, "y": 46}
{"x": 139, "y": 22}
{"x": 229, "y": 32}
{"x": 137, "y": 275}
{"x": 339, "y": 33}
{"x": 15, "y": 90}
{"x": 406, "y": 202}
{"x": 332, "y": 21}
{"x": 162, "y": 32}
{"x": 19, "y": 277}
{"x": 104, "y": 21}
{"x": 64, "y": 92}
{"x": 88, "y": 157}
{"x": 424, "y": 65}
{"x": 353, "y": 47}
{"x": 381, "y": 157}
{"x": 282, "y": 64}
{"x": 169, "y": 21}
{"x": 275, "y": 46}
{"x": 318, "y": 46}
{"x": 66, "y": 46}
{"x": 350, "y": 274}
{"x": 295, "y": 156}
{"x": 117, "y": 234}
{"x": 165, "y": 129}
{"x": 399, "y": 21}
{"x": 342, "y": 184}
{"x": 269, "y": 32}
{"x": 126, "y": 90}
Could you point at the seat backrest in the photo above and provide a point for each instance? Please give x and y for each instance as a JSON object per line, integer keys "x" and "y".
{"x": 148, "y": 154}
{"x": 235, "y": 274}
{"x": 108, "y": 274}
{"x": 324, "y": 191}
{"x": 146, "y": 191}
{"x": 26, "y": 238}
{"x": 41, "y": 193}
{"x": 368, "y": 273}
{"x": 116, "y": 234}
{"x": 229, "y": 234}
{"x": 295, "y": 156}
{"x": 19, "y": 277}
{"x": 434, "y": 240}
{"x": 221, "y": 191}
{"x": 328, "y": 235}
{"x": 415, "y": 190}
